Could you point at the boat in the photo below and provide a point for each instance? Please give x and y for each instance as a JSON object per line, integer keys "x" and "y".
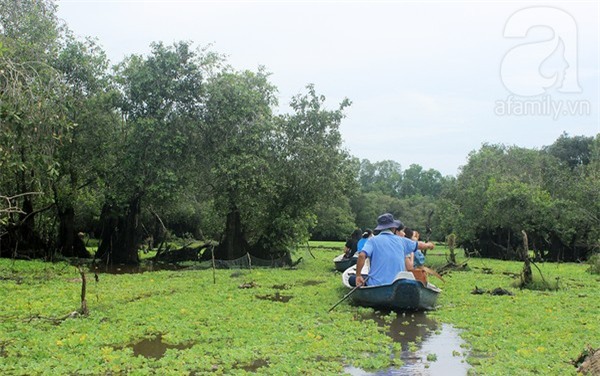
{"x": 404, "y": 294}
{"x": 342, "y": 263}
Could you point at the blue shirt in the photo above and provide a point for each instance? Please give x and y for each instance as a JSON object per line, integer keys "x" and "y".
{"x": 361, "y": 243}
{"x": 387, "y": 252}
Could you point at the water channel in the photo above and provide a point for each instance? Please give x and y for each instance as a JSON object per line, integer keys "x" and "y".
{"x": 438, "y": 352}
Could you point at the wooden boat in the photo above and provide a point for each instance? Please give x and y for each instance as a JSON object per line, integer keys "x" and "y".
{"x": 404, "y": 294}
{"x": 342, "y": 263}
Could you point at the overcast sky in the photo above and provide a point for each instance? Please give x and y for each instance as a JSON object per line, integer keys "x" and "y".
{"x": 430, "y": 81}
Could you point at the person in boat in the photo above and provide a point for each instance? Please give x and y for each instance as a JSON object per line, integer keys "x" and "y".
{"x": 352, "y": 243}
{"x": 417, "y": 258}
{"x": 386, "y": 252}
{"x": 415, "y": 262}
{"x": 368, "y": 234}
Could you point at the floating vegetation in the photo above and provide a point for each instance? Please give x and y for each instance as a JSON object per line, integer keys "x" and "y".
{"x": 207, "y": 327}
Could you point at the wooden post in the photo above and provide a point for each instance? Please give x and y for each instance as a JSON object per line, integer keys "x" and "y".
{"x": 84, "y": 308}
{"x": 212, "y": 252}
{"x": 527, "y": 274}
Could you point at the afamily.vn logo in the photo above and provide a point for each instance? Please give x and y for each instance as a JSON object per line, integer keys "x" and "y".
{"x": 543, "y": 63}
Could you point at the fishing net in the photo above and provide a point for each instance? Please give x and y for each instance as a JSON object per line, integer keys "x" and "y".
{"x": 248, "y": 261}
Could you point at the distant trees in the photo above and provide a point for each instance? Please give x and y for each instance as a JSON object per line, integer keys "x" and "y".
{"x": 409, "y": 194}
{"x": 552, "y": 194}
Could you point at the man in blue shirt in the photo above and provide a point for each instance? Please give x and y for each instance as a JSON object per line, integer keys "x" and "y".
{"x": 386, "y": 252}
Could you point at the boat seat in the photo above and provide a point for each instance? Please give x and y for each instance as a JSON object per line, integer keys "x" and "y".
{"x": 404, "y": 275}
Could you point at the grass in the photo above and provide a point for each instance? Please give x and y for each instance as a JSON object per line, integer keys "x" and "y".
{"x": 223, "y": 329}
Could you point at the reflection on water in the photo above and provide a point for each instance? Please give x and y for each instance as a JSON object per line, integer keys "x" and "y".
{"x": 430, "y": 338}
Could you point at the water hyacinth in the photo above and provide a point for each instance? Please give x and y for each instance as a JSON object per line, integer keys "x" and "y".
{"x": 224, "y": 329}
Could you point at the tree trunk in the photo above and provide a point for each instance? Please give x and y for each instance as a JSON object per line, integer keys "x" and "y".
{"x": 69, "y": 243}
{"x": 120, "y": 234}
{"x": 20, "y": 239}
{"x": 234, "y": 244}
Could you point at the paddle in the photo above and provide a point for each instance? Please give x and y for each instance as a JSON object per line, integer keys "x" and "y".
{"x": 432, "y": 272}
{"x": 347, "y": 295}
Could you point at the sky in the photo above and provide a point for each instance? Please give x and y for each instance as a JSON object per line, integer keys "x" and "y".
{"x": 429, "y": 81}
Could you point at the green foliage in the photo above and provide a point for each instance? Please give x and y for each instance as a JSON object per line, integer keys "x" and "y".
{"x": 521, "y": 334}
{"x": 335, "y": 220}
{"x": 572, "y": 151}
{"x": 504, "y": 190}
{"x": 412, "y": 211}
{"x": 525, "y": 333}
{"x": 594, "y": 263}
{"x": 388, "y": 178}
{"x": 539, "y": 284}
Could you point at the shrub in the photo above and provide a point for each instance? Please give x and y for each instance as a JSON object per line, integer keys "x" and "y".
{"x": 594, "y": 262}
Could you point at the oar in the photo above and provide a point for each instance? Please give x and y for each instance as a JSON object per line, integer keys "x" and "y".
{"x": 432, "y": 272}
{"x": 347, "y": 295}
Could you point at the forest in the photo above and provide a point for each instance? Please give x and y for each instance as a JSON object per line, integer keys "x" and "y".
{"x": 178, "y": 144}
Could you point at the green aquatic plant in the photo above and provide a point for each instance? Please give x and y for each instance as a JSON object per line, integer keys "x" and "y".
{"x": 431, "y": 357}
{"x": 222, "y": 329}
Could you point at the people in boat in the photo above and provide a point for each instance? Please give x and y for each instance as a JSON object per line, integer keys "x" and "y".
{"x": 352, "y": 243}
{"x": 368, "y": 234}
{"x": 386, "y": 252}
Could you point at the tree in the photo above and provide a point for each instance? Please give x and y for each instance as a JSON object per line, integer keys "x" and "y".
{"x": 269, "y": 173}
{"x": 31, "y": 117}
{"x": 334, "y": 219}
{"x": 83, "y": 155}
{"x": 416, "y": 181}
{"x": 573, "y": 151}
{"x": 505, "y": 190}
{"x": 384, "y": 176}
{"x": 239, "y": 154}
{"x": 162, "y": 109}
{"x": 311, "y": 167}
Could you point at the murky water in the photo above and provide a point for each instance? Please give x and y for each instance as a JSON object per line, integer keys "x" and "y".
{"x": 275, "y": 297}
{"x": 155, "y": 348}
{"x": 254, "y": 366}
{"x": 441, "y": 343}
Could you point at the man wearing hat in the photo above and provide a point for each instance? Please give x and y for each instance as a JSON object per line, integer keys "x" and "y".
{"x": 386, "y": 252}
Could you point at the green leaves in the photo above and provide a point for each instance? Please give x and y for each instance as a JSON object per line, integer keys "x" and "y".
{"x": 503, "y": 190}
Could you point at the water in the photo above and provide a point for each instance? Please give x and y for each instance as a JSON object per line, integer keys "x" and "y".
{"x": 276, "y": 297}
{"x": 443, "y": 341}
{"x": 155, "y": 348}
